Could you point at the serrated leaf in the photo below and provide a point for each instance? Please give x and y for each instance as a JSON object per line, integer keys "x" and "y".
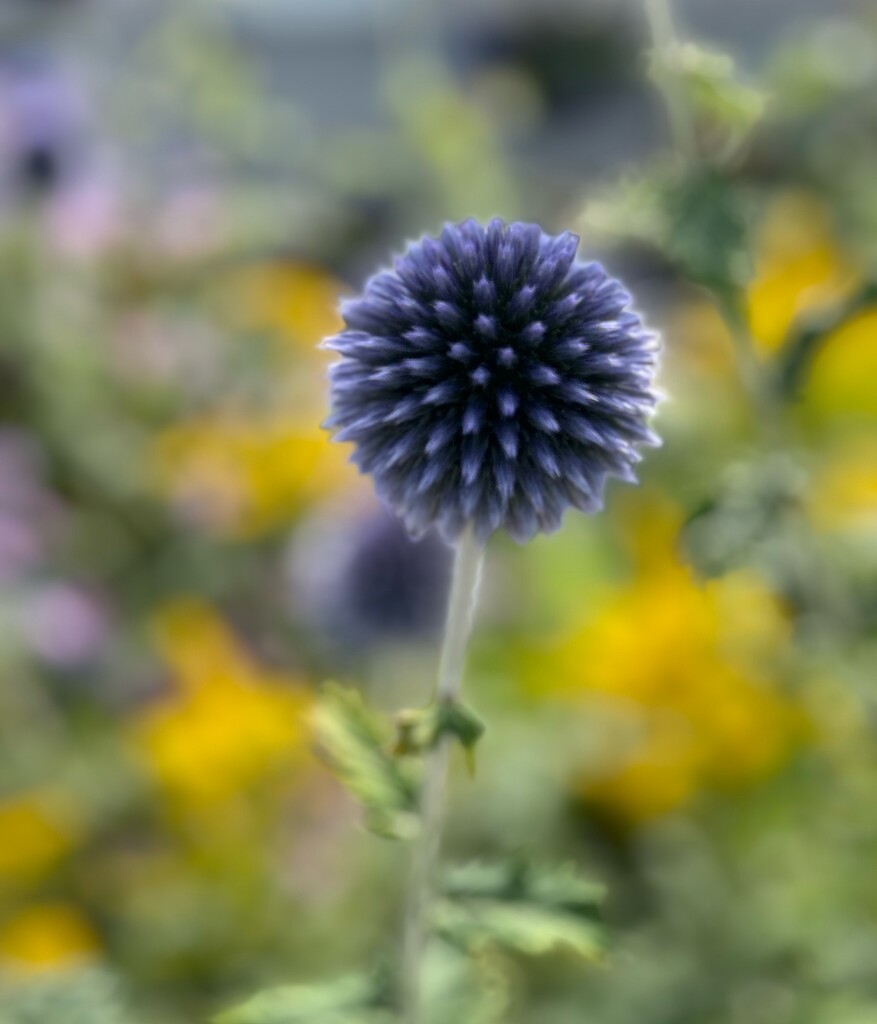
{"x": 347, "y": 1000}
{"x": 522, "y": 908}
{"x": 522, "y": 928}
{"x": 354, "y": 742}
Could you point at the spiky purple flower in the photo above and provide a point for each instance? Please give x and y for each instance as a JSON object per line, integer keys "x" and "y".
{"x": 492, "y": 379}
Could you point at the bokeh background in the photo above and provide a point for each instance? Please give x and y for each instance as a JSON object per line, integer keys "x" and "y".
{"x": 680, "y": 692}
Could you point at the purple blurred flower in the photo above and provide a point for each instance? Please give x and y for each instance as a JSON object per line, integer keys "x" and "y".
{"x": 42, "y": 127}
{"x": 47, "y": 153}
{"x": 364, "y": 582}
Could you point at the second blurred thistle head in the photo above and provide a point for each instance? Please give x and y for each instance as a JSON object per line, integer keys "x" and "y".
{"x": 42, "y": 127}
{"x": 364, "y": 583}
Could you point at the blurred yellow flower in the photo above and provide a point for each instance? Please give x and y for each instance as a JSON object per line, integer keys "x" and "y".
{"x": 240, "y": 476}
{"x": 685, "y": 666}
{"x": 35, "y": 834}
{"x": 295, "y": 302}
{"x": 230, "y": 723}
{"x": 843, "y": 375}
{"x": 799, "y": 267}
{"x": 660, "y": 774}
{"x": 46, "y": 936}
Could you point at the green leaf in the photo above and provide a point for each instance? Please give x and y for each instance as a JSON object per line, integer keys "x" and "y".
{"x": 631, "y": 209}
{"x": 707, "y": 229}
{"x": 455, "y": 987}
{"x": 521, "y": 908}
{"x": 725, "y": 108}
{"x": 420, "y": 729}
{"x": 354, "y": 742}
{"x": 694, "y": 217}
{"x": 349, "y": 1000}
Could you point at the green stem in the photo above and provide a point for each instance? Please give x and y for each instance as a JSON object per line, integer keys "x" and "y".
{"x": 729, "y": 300}
{"x": 666, "y": 46}
{"x": 752, "y": 376}
{"x": 458, "y": 625}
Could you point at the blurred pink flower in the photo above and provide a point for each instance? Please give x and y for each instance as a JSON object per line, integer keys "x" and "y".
{"x": 191, "y": 224}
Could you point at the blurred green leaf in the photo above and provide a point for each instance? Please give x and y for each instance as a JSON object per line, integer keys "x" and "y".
{"x": 824, "y": 63}
{"x": 461, "y": 988}
{"x": 755, "y": 511}
{"x": 348, "y": 1000}
{"x": 355, "y": 743}
{"x": 74, "y": 997}
{"x": 456, "y": 987}
{"x": 695, "y": 218}
{"x": 522, "y": 908}
{"x": 632, "y": 209}
{"x": 457, "y": 144}
{"x": 757, "y": 518}
{"x": 707, "y": 229}
{"x": 725, "y": 108}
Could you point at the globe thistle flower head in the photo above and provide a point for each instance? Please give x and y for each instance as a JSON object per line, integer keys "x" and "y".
{"x": 492, "y": 379}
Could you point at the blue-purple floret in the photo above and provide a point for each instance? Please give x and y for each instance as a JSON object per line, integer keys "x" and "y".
{"x": 492, "y": 379}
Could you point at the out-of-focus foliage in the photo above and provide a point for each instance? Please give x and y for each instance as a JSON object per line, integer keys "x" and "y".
{"x": 680, "y": 692}
{"x": 82, "y": 997}
{"x": 455, "y": 989}
{"x": 521, "y": 908}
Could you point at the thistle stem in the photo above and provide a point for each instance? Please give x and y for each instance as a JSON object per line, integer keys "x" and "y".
{"x": 458, "y": 626}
